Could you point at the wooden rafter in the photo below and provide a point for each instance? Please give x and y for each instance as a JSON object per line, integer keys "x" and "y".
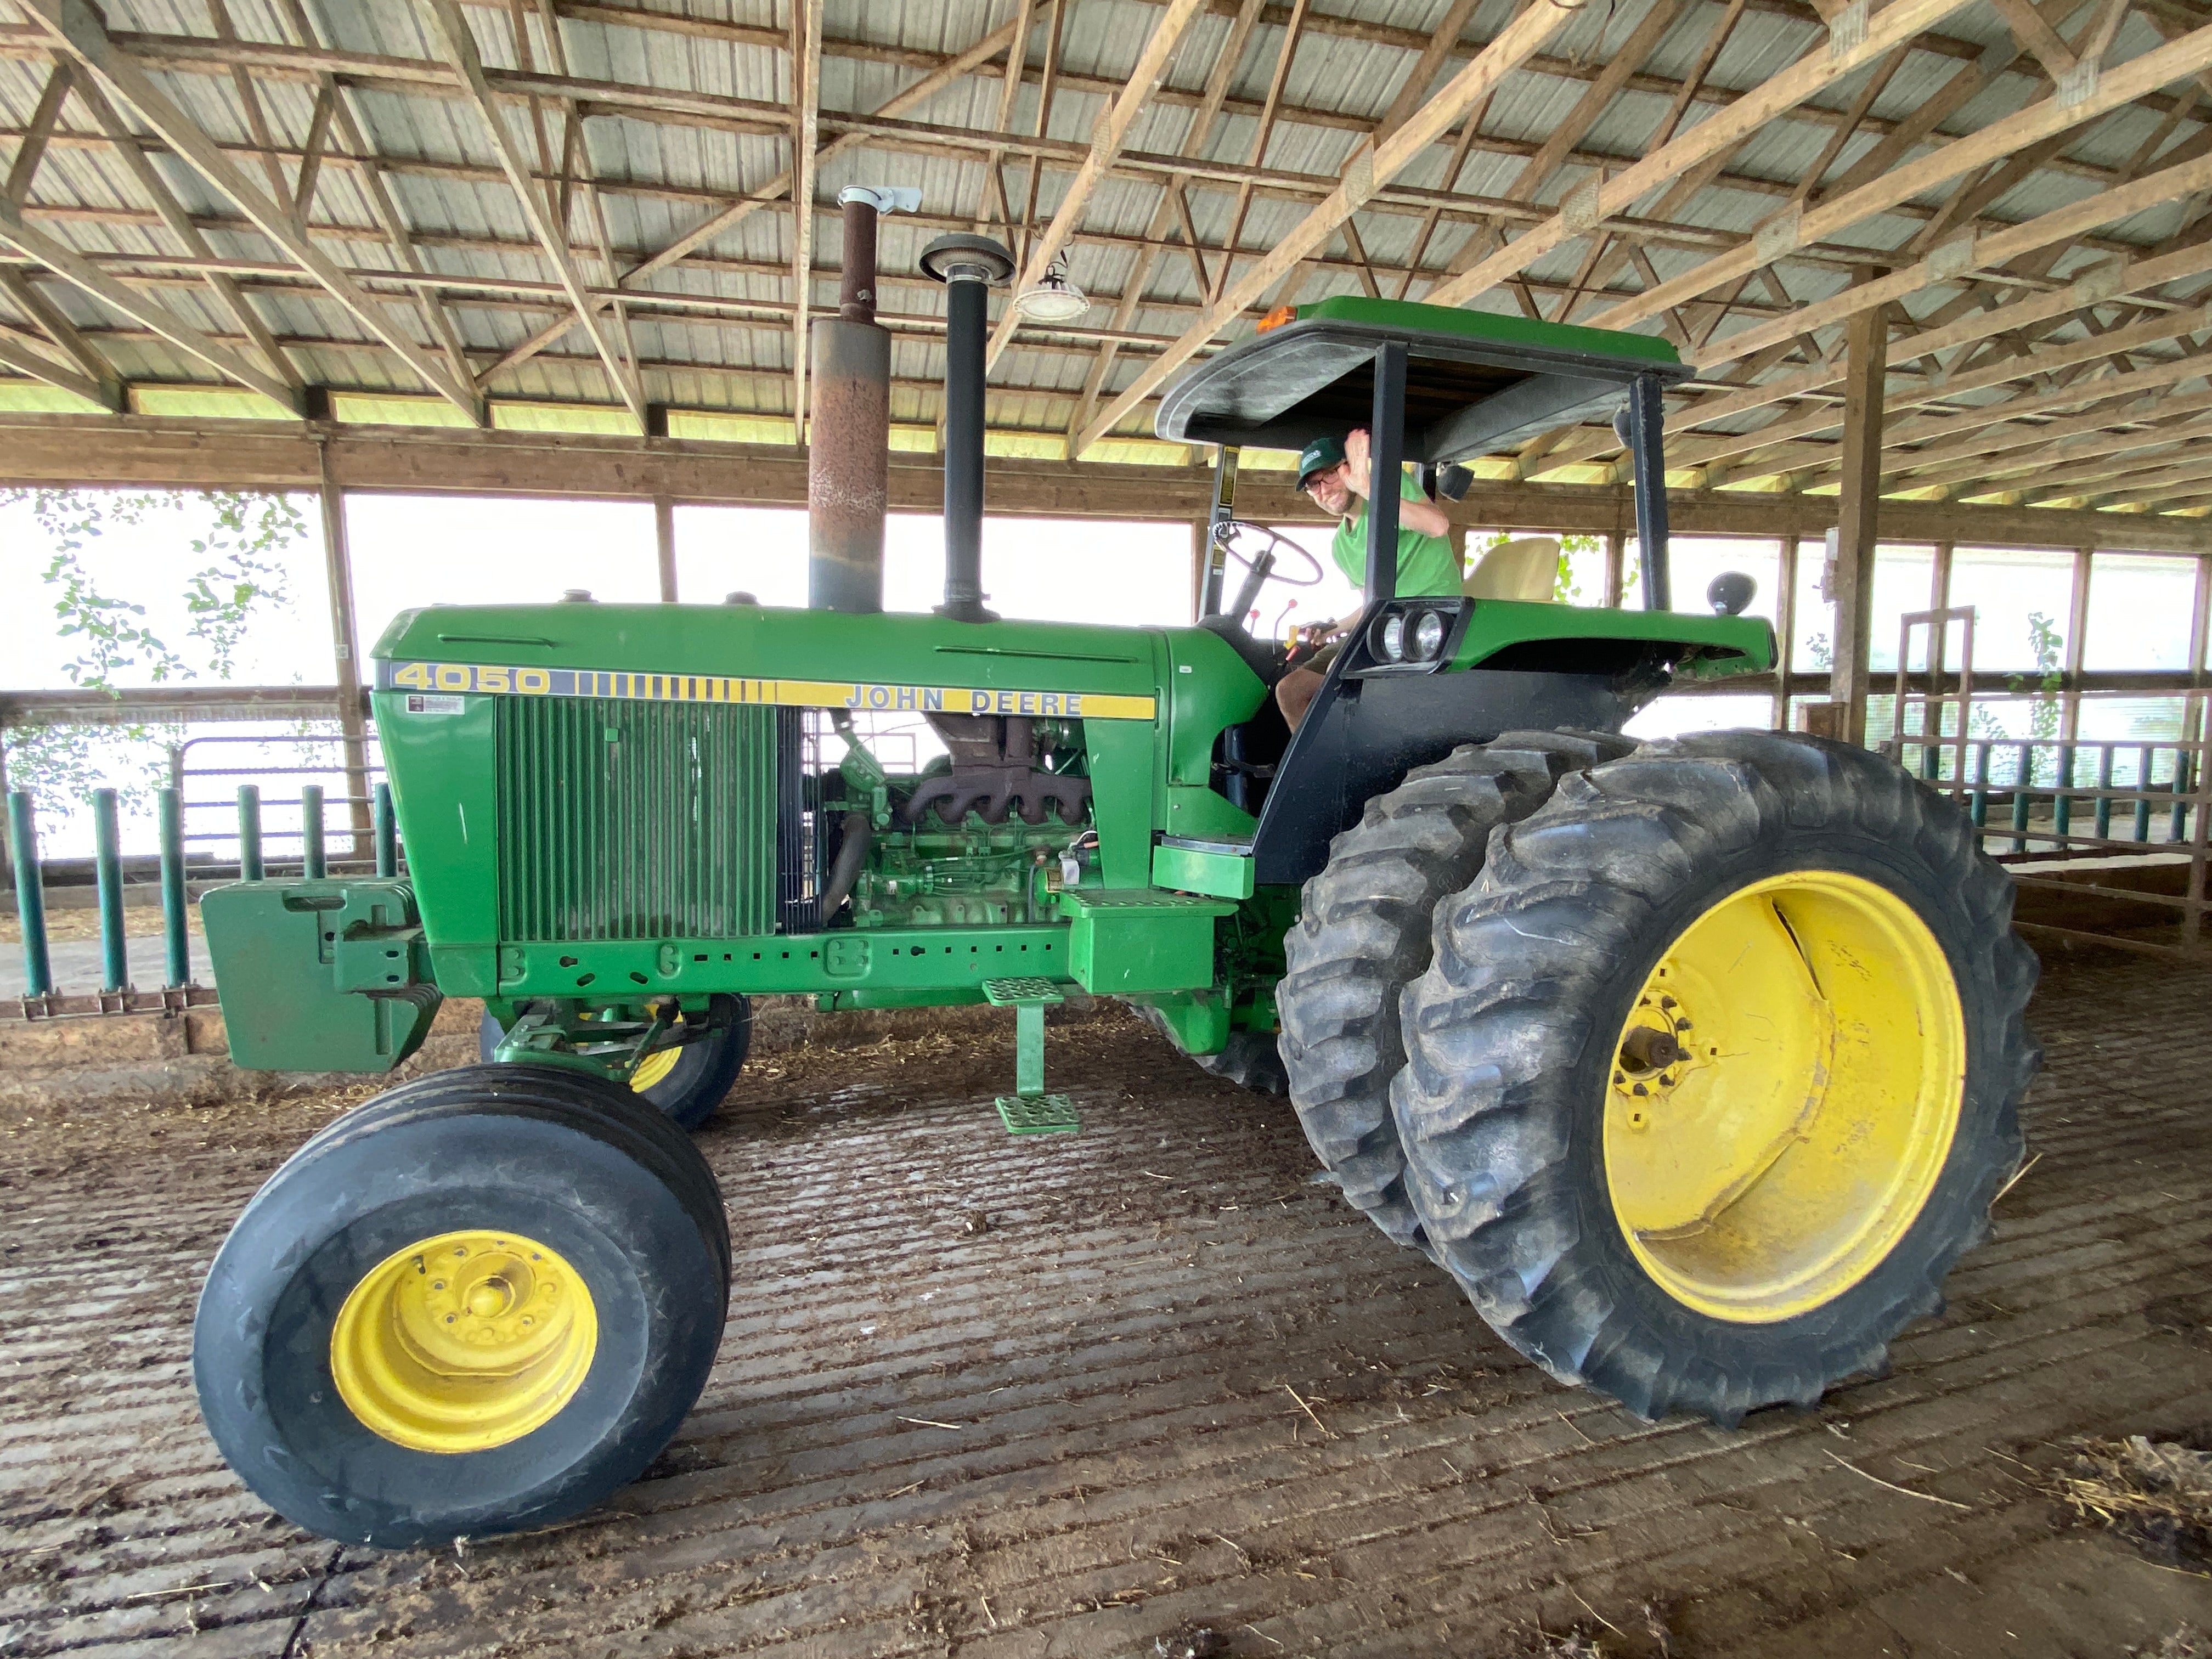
{"x": 72, "y": 267}
{"x": 1368, "y": 171}
{"x": 805, "y": 140}
{"x": 452, "y": 30}
{"x": 731, "y": 215}
{"x": 71, "y": 26}
{"x": 1106, "y": 141}
{"x": 106, "y": 386}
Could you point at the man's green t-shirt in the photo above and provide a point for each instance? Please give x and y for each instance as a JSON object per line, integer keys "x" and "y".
{"x": 1426, "y": 564}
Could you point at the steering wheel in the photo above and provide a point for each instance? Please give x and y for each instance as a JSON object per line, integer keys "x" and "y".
{"x": 1226, "y": 530}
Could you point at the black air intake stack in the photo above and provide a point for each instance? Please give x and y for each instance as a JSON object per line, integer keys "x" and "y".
{"x": 969, "y": 267}
{"x": 849, "y": 447}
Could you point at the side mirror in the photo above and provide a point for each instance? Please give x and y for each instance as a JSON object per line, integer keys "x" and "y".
{"x": 1729, "y": 592}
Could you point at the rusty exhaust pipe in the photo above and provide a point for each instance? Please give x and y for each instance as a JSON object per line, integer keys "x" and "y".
{"x": 969, "y": 267}
{"x": 848, "y": 449}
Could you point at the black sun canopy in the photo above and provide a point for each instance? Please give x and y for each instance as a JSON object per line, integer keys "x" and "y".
{"x": 1475, "y": 382}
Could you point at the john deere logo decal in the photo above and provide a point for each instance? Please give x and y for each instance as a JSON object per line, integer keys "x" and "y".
{"x": 458, "y": 676}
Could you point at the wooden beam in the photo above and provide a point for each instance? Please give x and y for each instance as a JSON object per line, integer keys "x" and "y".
{"x": 1443, "y": 42}
{"x": 1779, "y": 235}
{"x": 1590, "y": 207}
{"x": 38, "y": 366}
{"x": 776, "y": 189}
{"x": 1858, "y": 506}
{"x": 72, "y": 267}
{"x": 1107, "y": 137}
{"x": 151, "y": 453}
{"x": 73, "y": 26}
{"x": 449, "y": 27}
{"x": 31, "y": 148}
{"x": 368, "y": 172}
{"x": 1957, "y": 260}
{"x": 179, "y": 223}
{"x": 106, "y": 383}
{"x": 806, "y": 96}
{"x": 1364, "y": 173}
{"x": 1285, "y": 51}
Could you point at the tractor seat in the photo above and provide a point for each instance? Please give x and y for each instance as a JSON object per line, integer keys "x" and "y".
{"x": 1524, "y": 569}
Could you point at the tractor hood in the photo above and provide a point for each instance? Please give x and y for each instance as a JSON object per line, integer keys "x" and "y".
{"x": 755, "y": 654}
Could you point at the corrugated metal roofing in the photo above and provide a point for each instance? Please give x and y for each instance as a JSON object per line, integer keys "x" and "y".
{"x": 715, "y": 331}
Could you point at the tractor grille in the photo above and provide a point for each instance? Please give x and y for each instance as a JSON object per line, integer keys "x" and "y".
{"x": 634, "y": 820}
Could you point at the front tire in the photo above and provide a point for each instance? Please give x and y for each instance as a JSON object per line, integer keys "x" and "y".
{"x": 481, "y": 1303}
{"x": 1715, "y": 1072}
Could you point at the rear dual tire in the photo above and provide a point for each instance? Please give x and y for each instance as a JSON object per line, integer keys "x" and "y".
{"x": 581, "y": 1261}
{"x": 1754, "y": 1221}
{"x": 1363, "y": 934}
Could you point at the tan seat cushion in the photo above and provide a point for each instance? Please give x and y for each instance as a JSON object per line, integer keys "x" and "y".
{"x": 1525, "y": 568}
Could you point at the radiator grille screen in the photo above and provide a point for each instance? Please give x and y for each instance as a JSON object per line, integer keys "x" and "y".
{"x": 633, "y": 820}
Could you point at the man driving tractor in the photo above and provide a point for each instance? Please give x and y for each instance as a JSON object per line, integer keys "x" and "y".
{"x": 1334, "y": 473}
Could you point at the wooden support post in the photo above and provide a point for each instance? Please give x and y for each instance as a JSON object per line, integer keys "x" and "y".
{"x": 2200, "y": 620}
{"x": 1198, "y": 542}
{"x": 2077, "y": 644}
{"x": 664, "y": 537}
{"x": 1785, "y": 628}
{"x": 1615, "y": 555}
{"x": 1867, "y": 343}
{"x": 345, "y": 650}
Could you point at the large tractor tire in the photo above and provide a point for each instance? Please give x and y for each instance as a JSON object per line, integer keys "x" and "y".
{"x": 1250, "y": 1059}
{"x": 1364, "y": 935}
{"x": 1715, "y": 1073}
{"x": 481, "y": 1303}
{"x": 687, "y": 1082}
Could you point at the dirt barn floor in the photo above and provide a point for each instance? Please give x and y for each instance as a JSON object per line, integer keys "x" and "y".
{"x": 1172, "y": 1383}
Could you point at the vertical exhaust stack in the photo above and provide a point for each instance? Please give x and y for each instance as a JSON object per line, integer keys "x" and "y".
{"x": 969, "y": 267}
{"x": 848, "y": 452}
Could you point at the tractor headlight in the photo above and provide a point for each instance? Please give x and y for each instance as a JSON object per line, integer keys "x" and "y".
{"x": 1428, "y": 636}
{"x": 1393, "y": 636}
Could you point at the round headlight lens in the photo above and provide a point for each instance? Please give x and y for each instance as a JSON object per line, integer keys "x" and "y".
{"x": 1428, "y": 635}
{"x": 1393, "y": 637}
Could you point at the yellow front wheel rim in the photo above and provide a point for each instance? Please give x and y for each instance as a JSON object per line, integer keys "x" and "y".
{"x": 463, "y": 1342}
{"x": 653, "y": 1068}
{"x": 1783, "y": 1094}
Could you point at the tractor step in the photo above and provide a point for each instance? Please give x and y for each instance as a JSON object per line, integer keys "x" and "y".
{"x": 1029, "y": 1111}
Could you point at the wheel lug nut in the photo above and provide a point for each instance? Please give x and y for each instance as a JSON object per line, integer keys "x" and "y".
{"x": 1639, "y": 1090}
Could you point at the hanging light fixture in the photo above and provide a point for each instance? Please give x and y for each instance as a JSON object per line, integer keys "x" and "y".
{"x": 1053, "y": 298}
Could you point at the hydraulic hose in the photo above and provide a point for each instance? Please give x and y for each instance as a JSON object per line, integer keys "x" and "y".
{"x": 857, "y": 833}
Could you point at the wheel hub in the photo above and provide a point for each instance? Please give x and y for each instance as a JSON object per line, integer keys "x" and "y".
{"x": 463, "y": 1341}
{"x": 1783, "y": 1095}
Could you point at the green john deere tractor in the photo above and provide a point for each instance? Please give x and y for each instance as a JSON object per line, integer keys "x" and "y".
{"x": 1695, "y": 1062}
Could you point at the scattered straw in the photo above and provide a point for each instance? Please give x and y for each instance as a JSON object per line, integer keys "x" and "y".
{"x": 1308, "y": 1411}
{"x": 2158, "y": 1495}
{"x": 2015, "y": 1180}
{"x": 1924, "y": 1496}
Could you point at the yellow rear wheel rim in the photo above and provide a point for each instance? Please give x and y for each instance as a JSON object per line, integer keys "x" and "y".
{"x": 463, "y": 1342}
{"x": 653, "y": 1068}
{"x": 1783, "y": 1096}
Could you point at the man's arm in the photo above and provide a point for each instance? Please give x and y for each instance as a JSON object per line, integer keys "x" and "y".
{"x": 1417, "y": 514}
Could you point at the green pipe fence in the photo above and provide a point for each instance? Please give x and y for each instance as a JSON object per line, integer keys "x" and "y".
{"x": 313, "y": 864}
{"x": 107, "y": 872}
{"x": 176, "y": 934}
{"x": 30, "y": 892}
{"x": 249, "y": 832}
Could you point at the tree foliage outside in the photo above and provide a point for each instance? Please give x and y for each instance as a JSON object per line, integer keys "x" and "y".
{"x": 240, "y": 574}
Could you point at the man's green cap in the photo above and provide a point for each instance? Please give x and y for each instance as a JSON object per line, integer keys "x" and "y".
{"x": 1319, "y": 456}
